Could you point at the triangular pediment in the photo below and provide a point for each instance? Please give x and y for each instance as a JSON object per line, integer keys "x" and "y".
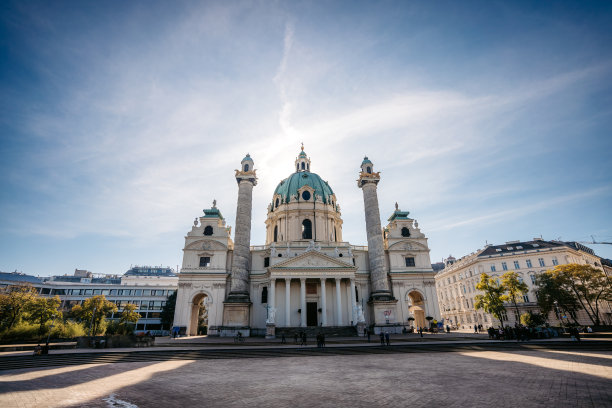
{"x": 313, "y": 260}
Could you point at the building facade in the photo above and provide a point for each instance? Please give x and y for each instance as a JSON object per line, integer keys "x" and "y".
{"x": 145, "y": 286}
{"x": 305, "y": 274}
{"x": 456, "y": 283}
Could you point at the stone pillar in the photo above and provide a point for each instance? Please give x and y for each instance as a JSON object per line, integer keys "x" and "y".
{"x": 272, "y": 295}
{"x": 338, "y": 304}
{"x": 382, "y": 300}
{"x": 353, "y": 302}
{"x": 237, "y": 306}
{"x": 376, "y": 252}
{"x": 323, "y": 303}
{"x": 303, "y": 302}
{"x": 288, "y": 302}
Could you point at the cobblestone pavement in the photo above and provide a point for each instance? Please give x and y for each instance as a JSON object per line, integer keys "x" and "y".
{"x": 536, "y": 378}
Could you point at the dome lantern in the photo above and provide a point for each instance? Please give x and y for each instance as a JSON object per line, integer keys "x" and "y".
{"x": 302, "y": 162}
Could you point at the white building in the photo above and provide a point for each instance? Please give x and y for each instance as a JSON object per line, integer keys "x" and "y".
{"x": 305, "y": 275}
{"x": 456, "y": 283}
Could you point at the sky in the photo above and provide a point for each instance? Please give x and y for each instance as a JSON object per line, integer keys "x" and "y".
{"x": 121, "y": 121}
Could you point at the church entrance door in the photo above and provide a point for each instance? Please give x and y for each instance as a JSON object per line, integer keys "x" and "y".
{"x": 311, "y": 314}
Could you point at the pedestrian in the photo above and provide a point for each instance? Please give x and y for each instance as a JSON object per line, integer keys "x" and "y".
{"x": 303, "y": 339}
{"x": 368, "y": 334}
{"x": 387, "y": 338}
{"x": 475, "y": 329}
{"x": 283, "y": 339}
{"x": 421, "y": 331}
{"x": 295, "y": 337}
{"x": 382, "y": 338}
{"x": 322, "y": 339}
{"x": 37, "y": 350}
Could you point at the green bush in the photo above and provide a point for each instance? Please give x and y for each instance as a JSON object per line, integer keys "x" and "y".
{"x": 67, "y": 330}
{"x": 21, "y": 331}
{"x": 115, "y": 328}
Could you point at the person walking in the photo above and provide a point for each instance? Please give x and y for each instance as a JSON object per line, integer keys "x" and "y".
{"x": 283, "y": 339}
{"x": 387, "y": 338}
{"x": 421, "y": 331}
{"x": 295, "y": 337}
{"x": 368, "y": 334}
{"x": 382, "y": 338}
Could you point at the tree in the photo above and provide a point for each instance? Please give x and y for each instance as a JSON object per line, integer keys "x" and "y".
{"x": 532, "y": 320}
{"x": 129, "y": 314}
{"x": 514, "y": 289}
{"x": 590, "y": 285}
{"x": 167, "y": 313}
{"x": 42, "y": 309}
{"x": 553, "y": 293}
{"x": 491, "y": 300}
{"x": 14, "y": 303}
{"x": 94, "y": 311}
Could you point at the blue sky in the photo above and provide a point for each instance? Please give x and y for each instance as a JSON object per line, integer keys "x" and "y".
{"x": 121, "y": 121}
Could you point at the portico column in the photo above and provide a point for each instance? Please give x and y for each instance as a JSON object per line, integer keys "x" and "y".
{"x": 287, "y": 302}
{"x": 338, "y": 304}
{"x": 303, "y": 301}
{"x": 323, "y": 303}
{"x": 272, "y": 295}
{"x": 353, "y": 301}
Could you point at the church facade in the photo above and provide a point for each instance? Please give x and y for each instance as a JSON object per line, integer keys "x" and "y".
{"x": 305, "y": 275}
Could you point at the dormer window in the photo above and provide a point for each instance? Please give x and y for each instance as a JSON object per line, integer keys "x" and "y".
{"x": 405, "y": 232}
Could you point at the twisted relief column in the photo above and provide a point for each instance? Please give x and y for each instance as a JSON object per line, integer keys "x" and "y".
{"x": 237, "y": 306}
{"x": 376, "y": 252}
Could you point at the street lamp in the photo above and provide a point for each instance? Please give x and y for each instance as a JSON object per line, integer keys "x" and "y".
{"x": 559, "y": 314}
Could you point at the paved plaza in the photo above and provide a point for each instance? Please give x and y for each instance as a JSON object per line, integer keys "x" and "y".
{"x": 577, "y": 378}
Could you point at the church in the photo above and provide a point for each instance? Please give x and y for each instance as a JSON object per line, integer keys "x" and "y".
{"x": 305, "y": 276}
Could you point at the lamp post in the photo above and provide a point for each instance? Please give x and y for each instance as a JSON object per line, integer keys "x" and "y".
{"x": 559, "y": 314}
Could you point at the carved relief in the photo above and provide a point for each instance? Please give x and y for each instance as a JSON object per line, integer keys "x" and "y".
{"x": 184, "y": 285}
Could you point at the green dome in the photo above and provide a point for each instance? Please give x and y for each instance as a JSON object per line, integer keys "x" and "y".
{"x": 247, "y": 158}
{"x": 294, "y": 182}
{"x": 366, "y": 161}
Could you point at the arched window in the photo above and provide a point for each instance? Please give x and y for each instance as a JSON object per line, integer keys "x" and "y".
{"x": 303, "y": 166}
{"x": 275, "y": 233}
{"x": 308, "y": 167}
{"x": 356, "y": 294}
{"x": 246, "y": 167}
{"x": 335, "y": 234}
{"x": 277, "y": 203}
{"x": 306, "y": 229}
{"x": 264, "y": 295}
{"x": 369, "y": 170}
{"x": 405, "y": 232}
{"x": 208, "y": 230}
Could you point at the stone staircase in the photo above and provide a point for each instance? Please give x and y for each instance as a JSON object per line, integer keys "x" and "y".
{"x": 312, "y": 331}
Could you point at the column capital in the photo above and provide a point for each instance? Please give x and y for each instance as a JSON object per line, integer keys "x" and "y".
{"x": 303, "y": 280}
{"x": 338, "y": 279}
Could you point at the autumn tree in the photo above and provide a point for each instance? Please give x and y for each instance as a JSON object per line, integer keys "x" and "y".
{"x": 514, "y": 289}
{"x": 14, "y": 303}
{"x": 129, "y": 314}
{"x": 42, "y": 309}
{"x": 491, "y": 298}
{"x": 94, "y": 311}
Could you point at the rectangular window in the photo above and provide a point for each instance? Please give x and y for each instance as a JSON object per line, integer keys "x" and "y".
{"x": 146, "y": 292}
{"x": 529, "y": 263}
{"x": 492, "y": 267}
{"x": 541, "y": 261}
{"x": 113, "y": 292}
{"x": 266, "y": 261}
{"x": 97, "y": 291}
{"x": 554, "y": 261}
{"x": 105, "y": 292}
{"x": 204, "y": 261}
{"x": 88, "y": 292}
{"x": 526, "y": 298}
{"x": 137, "y": 292}
{"x": 516, "y": 265}
{"x": 504, "y": 316}
{"x": 144, "y": 305}
{"x": 409, "y": 261}
{"x": 504, "y": 266}
{"x": 127, "y": 292}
